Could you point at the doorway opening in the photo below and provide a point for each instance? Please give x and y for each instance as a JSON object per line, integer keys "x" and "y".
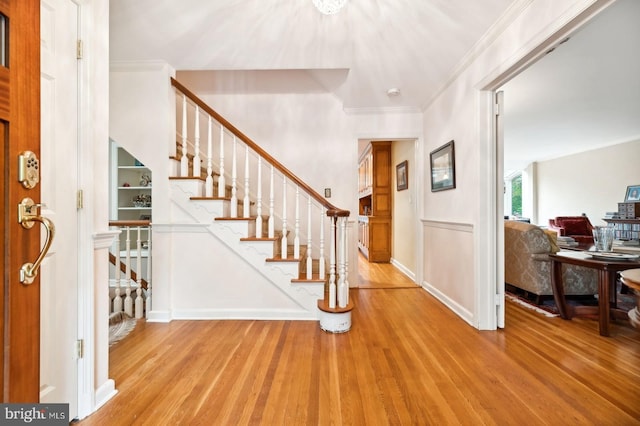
{"x": 387, "y": 213}
{"x": 570, "y": 117}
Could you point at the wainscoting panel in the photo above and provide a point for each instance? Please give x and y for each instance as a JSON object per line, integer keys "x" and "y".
{"x": 449, "y": 265}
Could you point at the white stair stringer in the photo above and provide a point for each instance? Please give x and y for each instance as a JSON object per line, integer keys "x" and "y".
{"x": 254, "y": 253}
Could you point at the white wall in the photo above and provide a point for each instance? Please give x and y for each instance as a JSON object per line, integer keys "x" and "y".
{"x": 591, "y": 182}
{"x": 308, "y": 133}
{"x": 462, "y": 113}
{"x": 405, "y": 212}
{"x": 142, "y": 120}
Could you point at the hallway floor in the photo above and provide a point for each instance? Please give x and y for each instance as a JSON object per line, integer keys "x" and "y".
{"x": 381, "y": 275}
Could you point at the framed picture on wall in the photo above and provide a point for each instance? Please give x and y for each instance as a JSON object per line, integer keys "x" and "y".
{"x": 633, "y": 193}
{"x": 443, "y": 168}
{"x": 402, "y": 178}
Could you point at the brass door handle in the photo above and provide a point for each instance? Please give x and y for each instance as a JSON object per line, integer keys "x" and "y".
{"x": 26, "y": 218}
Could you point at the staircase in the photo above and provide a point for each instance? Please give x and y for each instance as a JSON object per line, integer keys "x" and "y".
{"x": 255, "y": 241}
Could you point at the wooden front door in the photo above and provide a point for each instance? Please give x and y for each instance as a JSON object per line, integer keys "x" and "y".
{"x": 19, "y": 132}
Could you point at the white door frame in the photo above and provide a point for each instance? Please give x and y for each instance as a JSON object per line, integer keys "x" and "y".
{"x": 490, "y": 238}
{"x": 90, "y": 105}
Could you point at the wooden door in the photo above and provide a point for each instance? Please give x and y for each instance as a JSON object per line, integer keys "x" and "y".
{"x": 20, "y": 131}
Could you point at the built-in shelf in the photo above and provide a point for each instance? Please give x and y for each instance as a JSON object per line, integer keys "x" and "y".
{"x": 130, "y": 182}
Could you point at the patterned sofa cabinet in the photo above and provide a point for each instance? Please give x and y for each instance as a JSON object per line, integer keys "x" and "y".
{"x": 527, "y": 264}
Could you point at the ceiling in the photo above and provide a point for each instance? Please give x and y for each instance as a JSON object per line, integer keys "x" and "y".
{"x": 584, "y": 94}
{"x": 358, "y": 54}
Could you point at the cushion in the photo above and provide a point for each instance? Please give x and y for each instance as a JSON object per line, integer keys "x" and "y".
{"x": 575, "y": 227}
{"x": 553, "y": 240}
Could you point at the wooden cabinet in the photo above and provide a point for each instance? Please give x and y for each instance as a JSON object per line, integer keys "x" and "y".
{"x": 375, "y": 202}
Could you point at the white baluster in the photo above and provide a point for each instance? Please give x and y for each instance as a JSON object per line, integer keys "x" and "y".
{"x": 259, "y": 201}
{"x": 245, "y": 201}
{"x": 138, "y": 301}
{"x": 321, "y": 261}
{"x": 346, "y": 261}
{"x": 309, "y": 257}
{"x": 332, "y": 265}
{"x": 222, "y": 185}
{"x": 283, "y": 246}
{"x": 128, "y": 301}
{"x": 271, "y": 220}
{"x": 184, "y": 160}
{"x": 149, "y": 285}
{"x": 296, "y": 239}
{"x": 208, "y": 186}
{"x": 341, "y": 262}
{"x": 196, "y": 158}
{"x": 234, "y": 171}
{"x": 117, "y": 299}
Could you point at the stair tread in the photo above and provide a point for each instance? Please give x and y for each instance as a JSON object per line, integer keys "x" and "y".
{"x": 259, "y": 239}
{"x": 186, "y": 178}
{"x": 236, "y": 218}
{"x": 282, "y": 259}
{"x": 210, "y": 198}
{"x": 315, "y": 277}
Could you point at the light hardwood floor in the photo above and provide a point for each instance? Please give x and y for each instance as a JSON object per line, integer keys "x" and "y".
{"x": 381, "y": 275}
{"x": 407, "y": 360}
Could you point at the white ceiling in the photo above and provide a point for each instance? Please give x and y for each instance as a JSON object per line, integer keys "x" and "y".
{"x": 584, "y": 94}
{"x": 358, "y": 54}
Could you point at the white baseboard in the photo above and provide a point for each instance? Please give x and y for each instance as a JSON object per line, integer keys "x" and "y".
{"x": 404, "y": 269}
{"x": 104, "y": 393}
{"x": 159, "y": 316}
{"x": 450, "y": 303}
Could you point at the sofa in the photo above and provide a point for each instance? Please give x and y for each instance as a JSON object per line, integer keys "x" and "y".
{"x": 528, "y": 267}
{"x": 577, "y": 227}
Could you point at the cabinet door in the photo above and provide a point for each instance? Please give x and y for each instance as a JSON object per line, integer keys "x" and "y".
{"x": 379, "y": 244}
{"x": 382, "y": 180}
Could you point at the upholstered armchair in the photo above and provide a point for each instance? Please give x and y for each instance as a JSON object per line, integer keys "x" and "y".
{"x": 528, "y": 267}
{"x": 577, "y": 227}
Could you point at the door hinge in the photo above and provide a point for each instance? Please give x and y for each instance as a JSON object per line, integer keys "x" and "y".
{"x": 498, "y": 299}
{"x": 80, "y": 199}
{"x": 79, "y": 49}
{"x": 80, "y": 348}
{"x": 497, "y": 109}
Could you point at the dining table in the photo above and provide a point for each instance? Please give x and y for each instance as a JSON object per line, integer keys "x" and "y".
{"x": 607, "y": 266}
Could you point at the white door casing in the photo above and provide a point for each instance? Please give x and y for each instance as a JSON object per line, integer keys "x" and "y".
{"x": 499, "y": 165}
{"x": 59, "y": 159}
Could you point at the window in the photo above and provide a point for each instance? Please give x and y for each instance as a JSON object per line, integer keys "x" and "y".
{"x": 516, "y": 195}
{"x": 513, "y": 195}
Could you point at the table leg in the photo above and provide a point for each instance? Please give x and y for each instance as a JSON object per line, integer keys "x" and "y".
{"x": 604, "y": 302}
{"x": 558, "y": 289}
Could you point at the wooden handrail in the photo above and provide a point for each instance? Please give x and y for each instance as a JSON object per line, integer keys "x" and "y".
{"x": 123, "y": 268}
{"x": 112, "y": 258}
{"x": 332, "y": 210}
{"x": 121, "y": 223}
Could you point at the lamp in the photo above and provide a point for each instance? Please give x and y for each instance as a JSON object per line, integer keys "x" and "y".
{"x": 329, "y": 7}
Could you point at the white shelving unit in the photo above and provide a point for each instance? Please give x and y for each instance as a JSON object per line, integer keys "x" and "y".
{"x": 130, "y": 180}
